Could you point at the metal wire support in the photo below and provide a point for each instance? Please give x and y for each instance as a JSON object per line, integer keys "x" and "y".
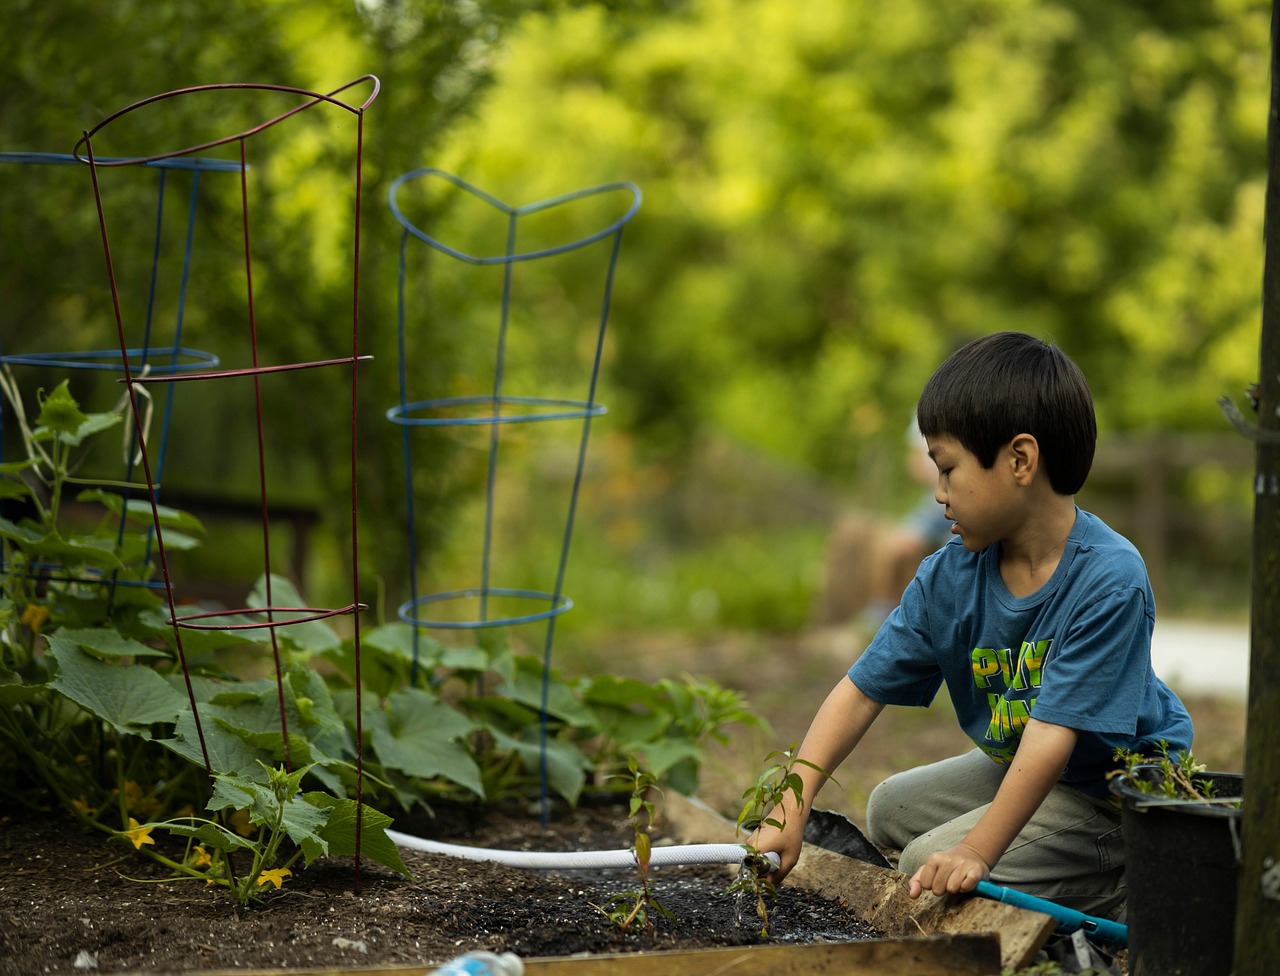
{"x": 207, "y": 118}
{"x": 502, "y": 405}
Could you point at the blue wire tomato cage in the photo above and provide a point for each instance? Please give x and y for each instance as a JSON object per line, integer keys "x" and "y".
{"x": 500, "y": 408}
{"x": 160, "y": 351}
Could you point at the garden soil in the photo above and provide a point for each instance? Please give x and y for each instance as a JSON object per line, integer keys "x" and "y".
{"x": 73, "y": 903}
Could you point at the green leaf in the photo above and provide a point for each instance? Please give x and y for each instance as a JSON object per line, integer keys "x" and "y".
{"x": 315, "y": 635}
{"x": 129, "y": 698}
{"x": 274, "y": 805}
{"x": 233, "y": 792}
{"x": 663, "y": 755}
{"x": 61, "y": 417}
{"x": 241, "y": 725}
{"x": 524, "y": 684}
{"x": 340, "y": 832}
{"x": 418, "y": 734}
{"x": 211, "y": 835}
{"x": 396, "y": 640}
{"x": 181, "y": 541}
{"x": 304, "y": 823}
{"x": 468, "y": 659}
{"x": 59, "y": 413}
{"x": 386, "y": 656}
{"x": 14, "y": 488}
{"x": 51, "y": 547}
{"x": 14, "y": 692}
{"x": 227, "y": 752}
{"x": 628, "y": 711}
{"x": 139, "y": 510}
{"x": 24, "y": 535}
{"x": 107, "y": 644}
{"x": 271, "y": 742}
{"x": 195, "y": 643}
{"x": 566, "y": 765}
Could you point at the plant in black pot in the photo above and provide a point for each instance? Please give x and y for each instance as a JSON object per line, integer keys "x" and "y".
{"x": 1182, "y": 863}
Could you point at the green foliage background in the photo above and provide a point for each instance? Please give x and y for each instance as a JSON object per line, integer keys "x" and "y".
{"x": 835, "y": 194}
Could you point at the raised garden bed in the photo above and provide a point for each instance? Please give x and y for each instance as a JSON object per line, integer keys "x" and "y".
{"x": 71, "y": 903}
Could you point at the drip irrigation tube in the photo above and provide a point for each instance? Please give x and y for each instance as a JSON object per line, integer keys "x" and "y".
{"x": 582, "y": 860}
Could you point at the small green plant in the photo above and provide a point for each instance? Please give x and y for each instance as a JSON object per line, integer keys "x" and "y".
{"x": 764, "y": 799}
{"x": 272, "y": 822}
{"x": 628, "y": 907}
{"x": 1165, "y": 775}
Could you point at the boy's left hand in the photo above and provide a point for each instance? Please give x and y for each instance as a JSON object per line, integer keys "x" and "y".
{"x": 954, "y": 870}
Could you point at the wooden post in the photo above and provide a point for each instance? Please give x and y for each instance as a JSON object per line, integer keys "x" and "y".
{"x": 1258, "y": 922}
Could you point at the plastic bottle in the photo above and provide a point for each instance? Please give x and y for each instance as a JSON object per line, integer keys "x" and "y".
{"x": 481, "y": 964}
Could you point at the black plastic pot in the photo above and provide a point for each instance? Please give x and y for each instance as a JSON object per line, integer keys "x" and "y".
{"x": 1183, "y": 874}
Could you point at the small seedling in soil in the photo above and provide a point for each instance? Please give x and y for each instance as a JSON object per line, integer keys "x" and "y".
{"x": 764, "y": 801}
{"x": 628, "y": 907}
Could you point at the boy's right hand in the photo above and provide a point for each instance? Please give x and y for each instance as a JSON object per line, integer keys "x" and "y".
{"x": 786, "y": 842}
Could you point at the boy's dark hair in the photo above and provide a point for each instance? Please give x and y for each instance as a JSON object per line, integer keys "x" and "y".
{"x": 1009, "y": 383}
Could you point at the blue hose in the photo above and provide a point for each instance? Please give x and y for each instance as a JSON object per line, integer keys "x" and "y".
{"x": 1069, "y": 920}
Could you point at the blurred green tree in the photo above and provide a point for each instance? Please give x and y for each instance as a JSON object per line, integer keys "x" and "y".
{"x": 836, "y": 194}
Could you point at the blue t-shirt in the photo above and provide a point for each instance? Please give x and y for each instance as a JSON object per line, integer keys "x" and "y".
{"x": 1076, "y": 653}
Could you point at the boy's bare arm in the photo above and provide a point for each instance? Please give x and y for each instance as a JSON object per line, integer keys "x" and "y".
{"x": 1041, "y": 757}
{"x": 838, "y": 726}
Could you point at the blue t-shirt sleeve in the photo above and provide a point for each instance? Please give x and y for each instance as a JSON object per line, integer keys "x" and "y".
{"x": 1094, "y": 678}
{"x": 900, "y": 666}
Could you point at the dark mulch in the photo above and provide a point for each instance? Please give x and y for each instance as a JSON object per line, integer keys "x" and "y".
{"x": 73, "y": 903}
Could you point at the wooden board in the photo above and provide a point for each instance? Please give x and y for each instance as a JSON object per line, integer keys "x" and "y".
{"x": 943, "y": 955}
{"x": 879, "y": 895}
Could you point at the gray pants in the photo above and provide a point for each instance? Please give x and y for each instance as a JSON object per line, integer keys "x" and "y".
{"x": 1070, "y": 852}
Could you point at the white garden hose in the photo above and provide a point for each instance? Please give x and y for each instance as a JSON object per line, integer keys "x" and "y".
{"x": 583, "y": 860}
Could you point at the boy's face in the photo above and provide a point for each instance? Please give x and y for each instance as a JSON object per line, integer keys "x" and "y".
{"x": 980, "y": 502}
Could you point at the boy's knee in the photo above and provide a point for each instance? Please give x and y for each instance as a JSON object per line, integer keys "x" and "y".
{"x": 913, "y": 856}
{"x": 884, "y": 809}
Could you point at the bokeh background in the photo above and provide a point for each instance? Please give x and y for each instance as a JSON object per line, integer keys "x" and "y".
{"x": 836, "y": 193}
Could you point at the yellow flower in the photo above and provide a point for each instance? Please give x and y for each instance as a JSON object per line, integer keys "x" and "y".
{"x": 34, "y": 616}
{"x": 137, "y": 800}
{"x": 275, "y": 876}
{"x": 133, "y": 793}
{"x": 81, "y": 804}
{"x": 243, "y": 826}
{"x": 138, "y": 835}
{"x": 201, "y": 858}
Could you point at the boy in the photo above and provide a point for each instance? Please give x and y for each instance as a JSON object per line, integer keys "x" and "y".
{"x": 1038, "y": 618}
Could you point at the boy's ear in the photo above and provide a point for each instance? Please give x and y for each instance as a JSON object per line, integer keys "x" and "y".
{"x": 1024, "y": 456}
